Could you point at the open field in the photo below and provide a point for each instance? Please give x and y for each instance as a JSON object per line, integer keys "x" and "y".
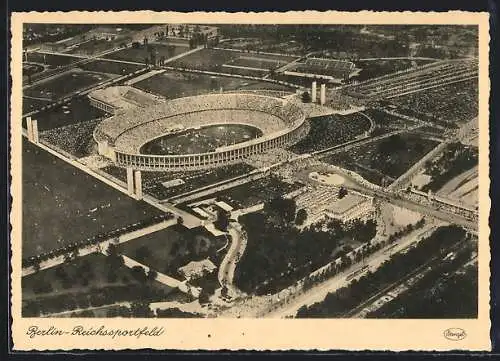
{"x": 52, "y": 60}
{"x": 258, "y": 61}
{"x": 53, "y": 89}
{"x": 93, "y": 47}
{"x": 386, "y": 159}
{"x": 171, "y": 248}
{"x": 90, "y": 281}
{"x": 328, "y": 131}
{"x": 62, "y": 204}
{"x": 175, "y": 84}
{"x": 76, "y": 111}
{"x": 109, "y": 67}
{"x": 139, "y": 54}
{"x": 206, "y": 59}
{"x": 30, "y": 104}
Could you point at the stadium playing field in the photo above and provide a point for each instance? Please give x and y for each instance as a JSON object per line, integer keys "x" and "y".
{"x": 62, "y": 204}
{"x": 55, "y": 88}
{"x": 175, "y": 84}
{"x": 203, "y": 140}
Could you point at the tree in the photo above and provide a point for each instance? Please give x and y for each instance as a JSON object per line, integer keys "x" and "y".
{"x": 139, "y": 273}
{"x": 36, "y": 265}
{"x": 152, "y": 274}
{"x": 203, "y": 297}
{"x": 222, "y": 221}
{"x": 306, "y": 97}
{"x": 300, "y": 217}
{"x": 342, "y": 192}
{"x": 140, "y": 309}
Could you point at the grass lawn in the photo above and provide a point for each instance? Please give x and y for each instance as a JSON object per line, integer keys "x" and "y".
{"x": 30, "y": 104}
{"x": 89, "y": 281}
{"x": 175, "y": 84}
{"x": 206, "y": 59}
{"x": 139, "y": 54}
{"x": 76, "y": 111}
{"x": 62, "y": 204}
{"x": 110, "y": 67}
{"x": 64, "y": 84}
{"x": 50, "y": 59}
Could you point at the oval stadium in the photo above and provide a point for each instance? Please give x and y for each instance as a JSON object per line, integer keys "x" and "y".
{"x": 199, "y": 132}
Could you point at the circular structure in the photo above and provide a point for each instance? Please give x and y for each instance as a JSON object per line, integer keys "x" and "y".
{"x": 199, "y": 132}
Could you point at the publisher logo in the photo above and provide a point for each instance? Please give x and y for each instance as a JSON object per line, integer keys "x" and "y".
{"x": 454, "y": 334}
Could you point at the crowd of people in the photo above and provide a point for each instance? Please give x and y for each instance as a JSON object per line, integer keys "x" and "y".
{"x": 332, "y": 130}
{"x": 75, "y": 139}
{"x": 453, "y": 103}
{"x": 426, "y": 76}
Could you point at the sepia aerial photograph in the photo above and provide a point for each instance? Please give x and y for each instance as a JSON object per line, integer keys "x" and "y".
{"x": 250, "y": 171}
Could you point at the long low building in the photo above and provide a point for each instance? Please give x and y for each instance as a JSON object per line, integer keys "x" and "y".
{"x": 123, "y": 136}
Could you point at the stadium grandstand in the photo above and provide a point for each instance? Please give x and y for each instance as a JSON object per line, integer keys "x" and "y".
{"x": 122, "y": 136}
{"x": 336, "y": 69}
{"x": 424, "y": 77}
{"x": 121, "y": 98}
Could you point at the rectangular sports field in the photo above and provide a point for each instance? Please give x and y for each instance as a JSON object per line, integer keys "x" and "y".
{"x": 110, "y": 67}
{"x": 212, "y": 58}
{"x": 139, "y": 54}
{"x": 206, "y": 59}
{"x": 52, "y": 60}
{"x": 176, "y": 84}
{"x": 93, "y": 47}
{"x": 65, "y": 84}
{"x": 62, "y": 204}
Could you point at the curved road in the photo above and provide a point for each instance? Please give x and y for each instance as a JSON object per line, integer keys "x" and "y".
{"x": 233, "y": 255}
